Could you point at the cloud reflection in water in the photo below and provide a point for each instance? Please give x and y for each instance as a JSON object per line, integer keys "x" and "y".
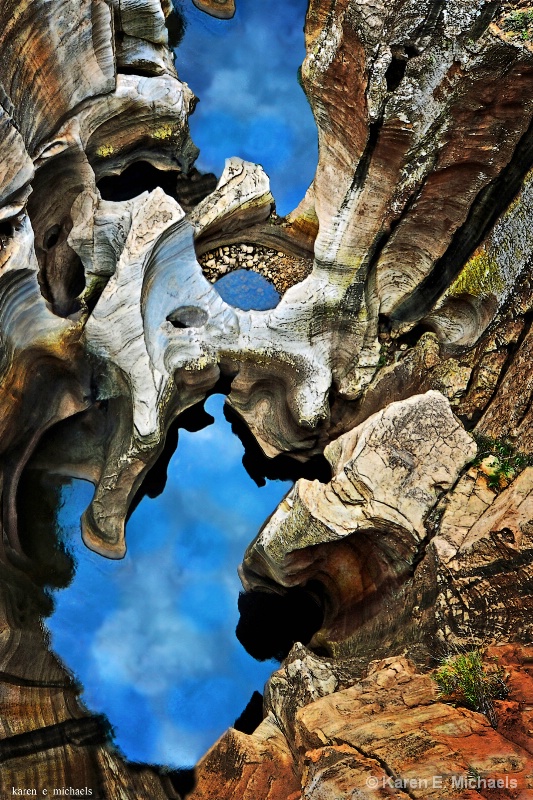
{"x": 152, "y": 637}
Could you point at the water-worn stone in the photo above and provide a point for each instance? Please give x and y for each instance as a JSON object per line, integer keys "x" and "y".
{"x": 361, "y": 534}
{"x": 418, "y": 224}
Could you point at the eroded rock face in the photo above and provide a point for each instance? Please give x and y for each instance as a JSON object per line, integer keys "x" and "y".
{"x": 361, "y": 536}
{"x": 387, "y": 733}
{"x": 484, "y": 548}
{"x": 419, "y": 226}
{"x": 241, "y": 766}
{"x": 222, "y": 9}
{"x": 410, "y": 126}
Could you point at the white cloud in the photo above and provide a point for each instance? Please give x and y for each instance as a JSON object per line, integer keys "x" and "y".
{"x": 178, "y": 746}
{"x": 148, "y": 644}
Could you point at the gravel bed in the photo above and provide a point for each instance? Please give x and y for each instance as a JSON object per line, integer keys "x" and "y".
{"x": 281, "y": 269}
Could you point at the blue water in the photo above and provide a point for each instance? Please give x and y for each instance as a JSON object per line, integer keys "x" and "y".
{"x": 246, "y": 290}
{"x": 251, "y": 105}
{"x": 152, "y": 637}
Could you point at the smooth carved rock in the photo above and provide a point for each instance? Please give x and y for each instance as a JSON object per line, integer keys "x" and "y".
{"x": 488, "y": 278}
{"x": 59, "y": 93}
{"x": 401, "y": 190}
{"x": 362, "y": 534}
{"x": 109, "y": 330}
{"x": 52, "y": 60}
{"x": 241, "y": 199}
{"x": 322, "y": 334}
{"x": 180, "y": 332}
{"x": 141, "y": 19}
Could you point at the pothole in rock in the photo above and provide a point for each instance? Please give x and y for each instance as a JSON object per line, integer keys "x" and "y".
{"x": 152, "y": 638}
{"x": 281, "y": 269}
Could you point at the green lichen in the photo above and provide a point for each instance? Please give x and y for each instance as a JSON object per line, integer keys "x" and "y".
{"x": 519, "y": 23}
{"x": 506, "y": 462}
{"x": 480, "y": 277}
{"x": 90, "y": 295}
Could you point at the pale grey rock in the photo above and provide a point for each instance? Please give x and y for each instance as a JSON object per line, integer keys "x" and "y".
{"x": 388, "y": 474}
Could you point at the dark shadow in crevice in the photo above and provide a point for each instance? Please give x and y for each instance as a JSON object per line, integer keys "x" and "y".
{"x": 38, "y": 503}
{"x": 176, "y": 24}
{"x": 51, "y": 237}
{"x": 83, "y": 732}
{"x": 396, "y": 70}
{"x": 252, "y": 716}
{"x": 412, "y": 337}
{"x": 486, "y": 15}
{"x": 271, "y": 623}
{"x": 188, "y": 317}
{"x": 188, "y": 189}
{"x": 192, "y": 188}
{"x": 136, "y": 70}
{"x": 183, "y": 781}
{"x": 260, "y": 468}
{"x": 395, "y": 73}
{"x": 6, "y": 228}
{"x": 137, "y": 178}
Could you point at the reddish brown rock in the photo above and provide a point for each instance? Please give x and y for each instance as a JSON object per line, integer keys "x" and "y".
{"x": 341, "y": 771}
{"x": 241, "y": 767}
{"x": 392, "y": 722}
{"x": 223, "y": 9}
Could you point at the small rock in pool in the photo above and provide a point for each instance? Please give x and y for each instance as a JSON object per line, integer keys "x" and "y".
{"x": 247, "y": 290}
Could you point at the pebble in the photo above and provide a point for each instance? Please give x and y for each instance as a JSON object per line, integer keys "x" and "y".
{"x": 281, "y": 269}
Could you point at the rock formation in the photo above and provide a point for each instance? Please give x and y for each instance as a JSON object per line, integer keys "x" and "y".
{"x": 400, "y": 350}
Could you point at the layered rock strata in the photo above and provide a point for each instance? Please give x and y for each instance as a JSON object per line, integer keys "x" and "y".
{"x": 386, "y": 734}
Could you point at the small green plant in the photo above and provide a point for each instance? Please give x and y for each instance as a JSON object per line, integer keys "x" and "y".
{"x": 473, "y": 773}
{"x": 462, "y": 679}
{"x": 520, "y": 23}
{"x": 500, "y": 461}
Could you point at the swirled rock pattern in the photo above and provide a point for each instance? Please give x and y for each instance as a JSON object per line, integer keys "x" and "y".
{"x": 414, "y": 323}
{"x": 368, "y": 522}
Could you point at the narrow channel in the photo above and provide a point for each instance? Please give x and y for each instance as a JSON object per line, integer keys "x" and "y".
{"x": 152, "y": 638}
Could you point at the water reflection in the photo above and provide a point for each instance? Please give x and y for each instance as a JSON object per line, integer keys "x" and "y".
{"x": 152, "y": 638}
{"x": 246, "y": 290}
{"x": 245, "y": 73}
